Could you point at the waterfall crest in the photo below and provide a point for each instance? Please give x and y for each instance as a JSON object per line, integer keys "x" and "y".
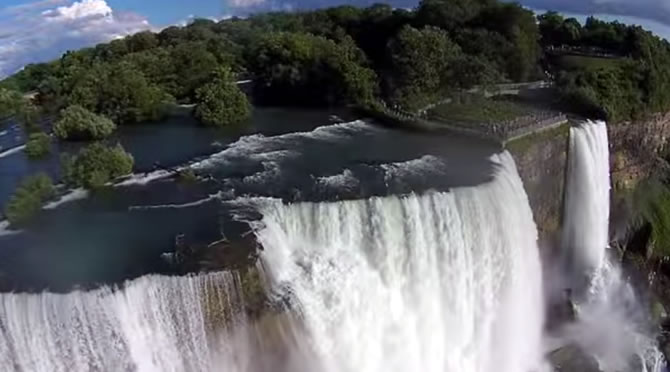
{"x": 154, "y": 324}
{"x": 435, "y": 282}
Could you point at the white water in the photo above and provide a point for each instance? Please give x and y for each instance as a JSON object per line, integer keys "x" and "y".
{"x": 266, "y": 150}
{"x": 155, "y": 324}
{"x": 12, "y": 151}
{"x": 441, "y": 282}
{"x": 144, "y": 178}
{"x": 586, "y": 213}
{"x": 5, "y": 229}
{"x": 610, "y": 324}
{"x": 73, "y": 195}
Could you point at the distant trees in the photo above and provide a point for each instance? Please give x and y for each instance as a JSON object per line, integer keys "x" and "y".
{"x": 627, "y": 76}
{"x": 77, "y": 124}
{"x": 38, "y": 145}
{"x": 347, "y": 55}
{"x": 28, "y": 199}
{"x": 96, "y": 165}
{"x": 220, "y": 102}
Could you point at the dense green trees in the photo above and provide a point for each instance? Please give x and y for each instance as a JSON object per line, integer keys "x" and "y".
{"x": 297, "y": 68}
{"x": 355, "y": 55}
{"x": 77, "y": 124}
{"x": 615, "y": 72}
{"x": 38, "y": 145}
{"x": 96, "y": 165}
{"x": 120, "y": 92}
{"x": 220, "y": 102}
{"x": 423, "y": 63}
{"x": 28, "y": 199}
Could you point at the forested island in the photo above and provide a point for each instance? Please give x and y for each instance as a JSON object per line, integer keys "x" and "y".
{"x": 341, "y": 56}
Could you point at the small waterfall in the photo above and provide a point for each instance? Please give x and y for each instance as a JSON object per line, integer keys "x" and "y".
{"x": 610, "y": 323}
{"x": 154, "y": 324}
{"x": 586, "y": 213}
{"x": 435, "y": 282}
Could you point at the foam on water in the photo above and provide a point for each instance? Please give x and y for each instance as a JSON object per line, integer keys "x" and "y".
{"x": 5, "y": 231}
{"x": 258, "y": 147}
{"x": 71, "y": 196}
{"x": 12, "y": 151}
{"x": 144, "y": 178}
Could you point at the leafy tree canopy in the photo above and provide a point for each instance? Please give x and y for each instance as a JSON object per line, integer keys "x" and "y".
{"x": 76, "y": 123}
{"x": 96, "y": 165}
{"x": 220, "y": 102}
{"x": 28, "y": 199}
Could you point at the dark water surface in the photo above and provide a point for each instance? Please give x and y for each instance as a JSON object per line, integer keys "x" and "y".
{"x": 121, "y": 232}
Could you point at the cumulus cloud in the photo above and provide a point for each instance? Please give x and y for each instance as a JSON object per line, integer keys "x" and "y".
{"x": 43, "y": 30}
{"x": 657, "y": 10}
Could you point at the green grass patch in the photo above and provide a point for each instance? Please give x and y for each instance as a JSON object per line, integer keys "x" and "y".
{"x": 478, "y": 110}
{"x": 522, "y": 144}
{"x": 572, "y": 62}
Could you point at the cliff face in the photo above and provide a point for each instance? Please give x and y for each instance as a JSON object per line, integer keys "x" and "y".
{"x": 635, "y": 149}
{"x": 541, "y": 162}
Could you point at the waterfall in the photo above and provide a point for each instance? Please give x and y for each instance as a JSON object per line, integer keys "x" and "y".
{"x": 610, "y": 323}
{"x": 154, "y": 324}
{"x": 586, "y": 212}
{"x": 434, "y": 282}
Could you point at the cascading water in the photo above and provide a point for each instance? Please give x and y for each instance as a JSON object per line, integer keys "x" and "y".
{"x": 154, "y": 324}
{"x": 435, "y": 282}
{"x": 586, "y": 213}
{"x": 610, "y": 323}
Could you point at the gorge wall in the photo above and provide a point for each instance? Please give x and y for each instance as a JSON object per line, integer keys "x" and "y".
{"x": 635, "y": 154}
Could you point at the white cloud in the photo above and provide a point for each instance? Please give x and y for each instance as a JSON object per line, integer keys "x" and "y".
{"x": 82, "y": 9}
{"x": 41, "y": 30}
{"x": 656, "y": 10}
{"x": 245, "y": 3}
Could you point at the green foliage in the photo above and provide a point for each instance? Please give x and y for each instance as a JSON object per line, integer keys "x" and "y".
{"x": 652, "y": 200}
{"x": 38, "y": 145}
{"x": 28, "y": 199}
{"x": 220, "y": 102}
{"x": 13, "y": 104}
{"x": 295, "y": 68}
{"x": 76, "y": 123}
{"x": 120, "y": 92}
{"x": 423, "y": 65}
{"x": 449, "y": 14}
{"x": 96, "y": 165}
{"x": 343, "y": 55}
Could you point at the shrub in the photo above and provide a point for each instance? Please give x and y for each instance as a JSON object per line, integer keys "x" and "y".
{"x": 38, "y": 145}
{"x": 96, "y": 165}
{"x": 221, "y": 102}
{"x": 28, "y": 199}
{"x": 77, "y": 123}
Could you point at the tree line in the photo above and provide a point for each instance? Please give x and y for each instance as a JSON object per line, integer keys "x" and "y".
{"x": 331, "y": 57}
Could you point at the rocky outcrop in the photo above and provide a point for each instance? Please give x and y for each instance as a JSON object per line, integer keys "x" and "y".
{"x": 635, "y": 148}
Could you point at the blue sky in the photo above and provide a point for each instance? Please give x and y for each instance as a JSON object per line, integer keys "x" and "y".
{"x": 39, "y": 30}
